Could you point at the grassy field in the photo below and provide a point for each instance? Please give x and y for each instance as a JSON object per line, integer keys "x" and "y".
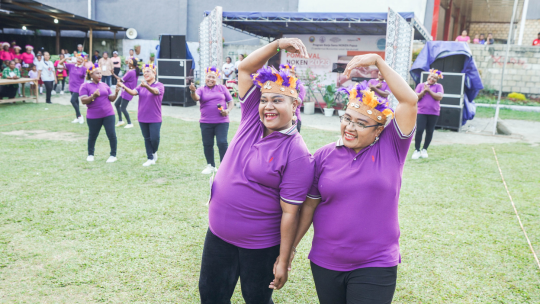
{"x": 507, "y": 114}
{"x": 79, "y": 232}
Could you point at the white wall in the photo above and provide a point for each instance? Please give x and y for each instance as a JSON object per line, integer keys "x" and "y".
{"x": 364, "y": 6}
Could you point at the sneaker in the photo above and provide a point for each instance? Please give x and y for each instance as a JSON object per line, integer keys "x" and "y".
{"x": 209, "y": 169}
{"x": 61, "y": 92}
{"x": 120, "y": 123}
{"x": 155, "y": 157}
{"x": 149, "y": 162}
{"x": 76, "y": 120}
{"x": 53, "y": 92}
{"x": 424, "y": 153}
{"x": 90, "y": 158}
{"x": 80, "y": 120}
{"x": 416, "y": 154}
{"x": 128, "y": 126}
{"x": 111, "y": 159}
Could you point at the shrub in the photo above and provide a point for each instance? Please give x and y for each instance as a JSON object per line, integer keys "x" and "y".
{"x": 517, "y": 96}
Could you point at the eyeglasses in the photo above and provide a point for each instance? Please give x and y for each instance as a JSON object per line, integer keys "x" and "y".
{"x": 358, "y": 125}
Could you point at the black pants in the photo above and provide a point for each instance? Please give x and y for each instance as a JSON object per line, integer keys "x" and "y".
{"x": 121, "y": 107}
{"x": 63, "y": 81}
{"x": 48, "y": 90}
{"x": 75, "y": 103}
{"x": 372, "y": 285}
{"x": 150, "y": 132}
{"x": 298, "y": 124}
{"x": 208, "y": 131}
{"x": 116, "y": 71}
{"x": 94, "y": 126}
{"x": 9, "y": 91}
{"x": 222, "y": 264}
{"x": 424, "y": 122}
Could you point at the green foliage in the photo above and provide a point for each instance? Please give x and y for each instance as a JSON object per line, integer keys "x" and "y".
{"x": 517, "y": 96}
{"x": 328, "y": 93}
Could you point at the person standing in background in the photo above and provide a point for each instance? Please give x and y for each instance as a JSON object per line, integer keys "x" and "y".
{"x": 463, "y": 37}
{"x": 80, "y": 48}
{"x": 490, "y": 39}
{"x": 77, "y": 73}
{"x": 17, "y": 53}
{"x": 5, "y": 55}
{"x": 106, "y": 66}
{"x": 61, "y": 73}
{"x": 476, "y": 39}
{"x": 228, "y": 69}
{"x": 301, "y": 94}
{"x": 236, "y": 64}
{"x": 10, "y": 72}
{"x": 12, "y": 47}
{"x": 33, "y": 74}
{"x": 536, "y": 42}
{"x": 46, "y": 73}
{"x": 130, "y": 81}
{"x": 37, "y": 61}
{"x": 379, "y": 87}
{"x": 482, "y": 39}
{"x": 96, "y": 57}
{"x": 117, "y": 65}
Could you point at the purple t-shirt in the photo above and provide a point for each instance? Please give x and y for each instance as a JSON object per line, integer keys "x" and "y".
{"x": 428, "y": 105}
{"x": 101, "y": 106}
{"x": 76, "y": 76}
{"x": 150, "y": 104}
{"x": 130, "y": 80}
{"x": 356, "y": 223}
{"x": 301, "y": 95}
{"x": 384, "y": 87}
{"x": 210, "y": 98}
{"x": 256, "y": 173}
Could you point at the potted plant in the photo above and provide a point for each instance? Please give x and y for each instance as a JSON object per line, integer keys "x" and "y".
{"x": 329, "y": 95}
{"x": 311, "y": 84}
{"x": 343, "y": 101}
{"x": 137, "y": 49}
{"x": 152, "y": 57}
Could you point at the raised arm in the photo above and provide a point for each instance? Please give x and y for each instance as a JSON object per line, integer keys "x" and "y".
{"x": 128, "y": 90}
{"x": 114, "y": 95}
{"x": 193, "y": 90}
{"x": 406, "y": 109}
{"x": 258, "y": 59}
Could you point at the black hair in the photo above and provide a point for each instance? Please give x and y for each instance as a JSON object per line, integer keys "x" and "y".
{"x": 228, "y": 58}
{"x": 96, "y": 51}
{"x": 136, "y": 65}
{"x": 10, "y": 61}
{"x": 131, "y": 50}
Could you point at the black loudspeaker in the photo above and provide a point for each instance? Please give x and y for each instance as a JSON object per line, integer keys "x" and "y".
{"x": 178, "y": 47}
{"x": 451, "y": 64}
{"x": 165, "y": 46}
{"x": 178, "y": 96}
{"x": 175, "y": 74}
{"x": 450, "y": 118}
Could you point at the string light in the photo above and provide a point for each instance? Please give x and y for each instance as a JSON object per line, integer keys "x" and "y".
{"x": 55, "y": 20}
{"x": 24, "y": 27}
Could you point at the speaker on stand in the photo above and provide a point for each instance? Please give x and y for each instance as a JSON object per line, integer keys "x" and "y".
{"x": 452, "y": 102}
{"x": 175, "y": 74}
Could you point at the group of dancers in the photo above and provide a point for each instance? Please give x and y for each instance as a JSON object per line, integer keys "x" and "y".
{"x": 269, "y": 189}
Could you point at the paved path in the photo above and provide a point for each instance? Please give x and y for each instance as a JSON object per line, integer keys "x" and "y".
{"x": 477, "y": 131}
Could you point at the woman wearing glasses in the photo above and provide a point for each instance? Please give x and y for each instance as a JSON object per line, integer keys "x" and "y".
{"x": 353, "y": 203}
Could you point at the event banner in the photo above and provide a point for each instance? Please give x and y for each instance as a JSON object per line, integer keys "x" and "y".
{"x": 329, "y": 55}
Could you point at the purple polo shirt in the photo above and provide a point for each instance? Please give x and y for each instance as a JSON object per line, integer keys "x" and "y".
{"x": 356, "y": 223}
{"x": 76, "y": 76}
{"x": 256, "y": 173}
{"x": 130, "y": 80}
{"x": 101, "y": 106}
{"x": 384, "y": 87}
{"x": 302, "y": 95}
{"x": 428, "y": 105}
{"x": 210, "y": 98}
{"x": 150, "y": 104}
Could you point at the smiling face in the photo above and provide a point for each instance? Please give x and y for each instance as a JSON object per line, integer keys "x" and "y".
{"x": 96, "y": 75}
{"x": 79, "y": 48}
{"x": 149, "y": 75}
{"x": 105, "y": 55}
{"x": 47, "y": 56}
{"x": 29, "y": 51}
{"x": 355, "y": 137}
{"x": 5, "y": 47}
{"x": 12, "y": 64}
{"x": 276, "y": 111}
{"x": 228, "y": 60}
{"x": 432, "y": 79}
{"x": 464, "y": 33}
{"x": 80, "y": 60}
{"x": 210, "y": 80}
{"x": 380, "y": 76}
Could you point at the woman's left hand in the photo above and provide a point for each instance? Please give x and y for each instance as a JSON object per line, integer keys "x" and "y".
{"x": 361, "y": 61}
{"x": 280, "y": 276}
{"x": 118, "y": 89}
{"x": 225, "y": 113}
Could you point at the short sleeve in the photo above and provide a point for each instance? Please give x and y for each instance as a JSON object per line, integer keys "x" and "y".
{"x": 419, "y": 87}
{"x": 161, "y": 88}
{"x": 69, "y": 66}
{"x": 109, "y": 91}
{"x": 227, "y": 94}
{"x": 440, "y": 89}
{"x": 40, "y": 66}
{"x": 296, "y": 180}
{"x": 199, "y": 92}
{"x": 314, "y": 190}
{"x": 138, "y": 88}
{"x": 127, "y": 77}
{"x": 83, "y": 91}
{"x": 400, "y": 142}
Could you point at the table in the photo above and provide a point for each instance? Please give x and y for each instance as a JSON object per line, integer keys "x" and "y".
{"x": 17, "y": 81}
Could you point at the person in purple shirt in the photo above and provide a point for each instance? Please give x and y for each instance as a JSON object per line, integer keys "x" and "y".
{"x": 130, "y": 81}
{"x": 380, "y": 87}
{"x": 429, "y": 94}
{"x": 149, "y": 115}
{"x": 216, "y": 104}
{"x": 259, "y": 188}
{"x": 77, "y": 73}
{"x": 301, "y": 94}
{"x": 97, "y": 96}
{"x": 353, "y": 203}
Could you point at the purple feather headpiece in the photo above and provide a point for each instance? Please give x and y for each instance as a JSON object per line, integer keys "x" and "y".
{"x": 213, "y": 70}
{"x": 364, "y": 101}
{"x": 269, "y": 80}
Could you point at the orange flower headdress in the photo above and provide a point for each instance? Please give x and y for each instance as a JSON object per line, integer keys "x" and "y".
{"x": 364, "y": 101}
{"x": 269, "y": 80}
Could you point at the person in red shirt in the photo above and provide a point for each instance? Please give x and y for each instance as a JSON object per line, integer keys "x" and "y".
{"x": 12, "y": 48}
{"x": 536, "y": 42}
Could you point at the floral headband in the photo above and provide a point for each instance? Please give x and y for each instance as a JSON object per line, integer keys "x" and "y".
{"x": 92, "y": 68}
{"x": 149, "y": 66}
{"x": 364, "y": 101}
{"x": 17, "y": 47}
{"x": 436, "y": 72}
{"x": 5, "y": 43}
{"x": 269, "y": 80}
{"x": 29, "y": 47}
{"x": 213, "y": 70}
{"x": 287, "y": 67}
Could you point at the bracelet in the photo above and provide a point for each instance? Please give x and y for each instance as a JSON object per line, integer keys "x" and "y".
{"x": 294, "y": 250}
{"x": 278, "y": 49}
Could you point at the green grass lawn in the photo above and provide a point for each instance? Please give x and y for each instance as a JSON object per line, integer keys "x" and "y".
{"x": 507, "y": 114}
{"x": 79, "y": 232}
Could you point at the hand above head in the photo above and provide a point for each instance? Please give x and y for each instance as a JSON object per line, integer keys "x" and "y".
{"x": 192, "y": 87}
{"x": 293, "y": 45}
{"x": 361, "y": 61}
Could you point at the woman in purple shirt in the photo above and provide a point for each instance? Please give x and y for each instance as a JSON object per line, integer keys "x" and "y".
{"x": 301, "y": 94}
{"x": 77, "y": 73}
{"x": 149, "y": 115}
{"x": 97, "y": 96}
{"x": 216, "y": 104}
{"x": 429, "y": 94}
{"x": 353, "y": 203}
{"x": 256, "y": 194}
{"x": 130, "y": 81}
{"x": 379, "y": 87}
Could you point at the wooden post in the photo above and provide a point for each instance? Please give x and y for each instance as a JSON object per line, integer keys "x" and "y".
{"x": 57, "y": 40}
{"x": 90, "y": 46}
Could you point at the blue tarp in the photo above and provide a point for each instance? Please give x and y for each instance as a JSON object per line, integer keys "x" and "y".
{"x": 275, "y": 24}
{"x": 441, "y": 49}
